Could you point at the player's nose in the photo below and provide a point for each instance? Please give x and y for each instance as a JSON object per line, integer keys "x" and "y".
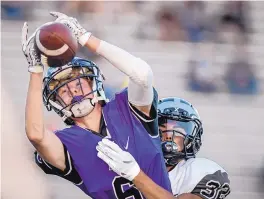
{"x": 169, "y": 138}
{"x": 74, "y": 91}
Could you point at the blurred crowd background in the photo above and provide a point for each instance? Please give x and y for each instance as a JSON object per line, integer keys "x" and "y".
{"x": 210, "y": 53}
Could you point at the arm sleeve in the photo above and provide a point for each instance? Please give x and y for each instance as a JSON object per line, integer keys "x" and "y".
{"x": 69, "y": 173}
{"x": 140, "y": 91}
{"x": 150, "y": 122}
{"x": 214, "y": 186}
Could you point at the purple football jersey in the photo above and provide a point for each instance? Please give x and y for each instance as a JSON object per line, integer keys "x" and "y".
{"x": 99, "y": 181}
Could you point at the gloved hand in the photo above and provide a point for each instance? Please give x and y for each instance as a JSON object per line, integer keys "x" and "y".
{"x": 121, "y": 162}
{"x": 28, "y": 48}
{"x": 78, "y": 31}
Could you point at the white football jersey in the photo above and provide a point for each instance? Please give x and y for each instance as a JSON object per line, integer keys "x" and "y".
{"x": 201, "y": 177}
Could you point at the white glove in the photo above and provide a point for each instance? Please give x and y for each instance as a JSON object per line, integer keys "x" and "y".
{"x": 121, "y": 162}
{"x": 78, "y": 31}
{"x": 28, "y": 48}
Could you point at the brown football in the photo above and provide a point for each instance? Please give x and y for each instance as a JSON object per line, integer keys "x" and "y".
{"x": 56, "y": 44}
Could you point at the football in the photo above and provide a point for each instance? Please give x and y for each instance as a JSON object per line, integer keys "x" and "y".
{"x": 56, "y": 44}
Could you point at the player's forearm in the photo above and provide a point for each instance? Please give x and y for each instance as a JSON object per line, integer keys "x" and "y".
{"x": 149, "y": 188}
{"x": 188, "y": 196}
{"x": 140, "y": 91}
{"x": 34, "y": 110}
{"x": 137, "y": 69}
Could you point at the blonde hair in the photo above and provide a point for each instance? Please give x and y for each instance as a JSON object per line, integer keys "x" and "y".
{"x": 68, "y": 74}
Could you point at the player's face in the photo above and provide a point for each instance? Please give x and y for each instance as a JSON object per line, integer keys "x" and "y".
{"x": 171, "y": 131}
{"x": 78, "y": 87}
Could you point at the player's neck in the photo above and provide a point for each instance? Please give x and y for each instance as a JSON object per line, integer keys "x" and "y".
{"x": 169, "y": 168}
{"x": 92, "y": 120}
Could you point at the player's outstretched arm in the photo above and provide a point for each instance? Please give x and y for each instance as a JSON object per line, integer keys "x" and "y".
{"x": 47, "y": 143}
{"x": 140, "y": 91}
{"x": 124, "y": 164}
{"x": 151, "y": 190}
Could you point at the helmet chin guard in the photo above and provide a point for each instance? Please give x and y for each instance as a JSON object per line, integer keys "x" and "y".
{"x": 82, "y": 109}
{"x": 83, "y": 106}
{"x": 171, "y": 153}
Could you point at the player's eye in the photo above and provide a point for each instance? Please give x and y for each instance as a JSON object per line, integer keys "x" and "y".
{"x": 63, "y": 92}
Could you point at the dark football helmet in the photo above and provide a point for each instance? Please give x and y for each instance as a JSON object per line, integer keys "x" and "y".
{"x": 178, "y": 118}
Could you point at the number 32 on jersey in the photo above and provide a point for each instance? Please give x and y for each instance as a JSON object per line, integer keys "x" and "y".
{"x": 214, "y": 190}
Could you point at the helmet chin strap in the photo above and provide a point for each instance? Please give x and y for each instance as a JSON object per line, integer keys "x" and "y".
{"x": 171, "y": 153}
{"x": 65, "y": 112}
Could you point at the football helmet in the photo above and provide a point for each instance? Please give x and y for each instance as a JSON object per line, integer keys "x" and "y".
{"x": 178, "y": 118}
{"x": 80, "y": 105}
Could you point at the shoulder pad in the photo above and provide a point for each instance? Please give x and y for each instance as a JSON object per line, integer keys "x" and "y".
{"x": 195, "y": 173}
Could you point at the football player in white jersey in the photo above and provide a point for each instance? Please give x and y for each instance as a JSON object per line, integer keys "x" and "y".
{"x": 181, "y": 131}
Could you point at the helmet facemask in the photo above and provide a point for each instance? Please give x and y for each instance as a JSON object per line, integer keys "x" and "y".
{"x": 79, "y": 73}
{"x": 180, "y": 135}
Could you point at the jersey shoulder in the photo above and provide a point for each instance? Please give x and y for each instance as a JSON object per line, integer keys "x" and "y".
{"x": 202, "y": 177}
{"x": 203, "y": 166}
{"x": 150, "y": 122}
{"x": 211, "y": 180}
